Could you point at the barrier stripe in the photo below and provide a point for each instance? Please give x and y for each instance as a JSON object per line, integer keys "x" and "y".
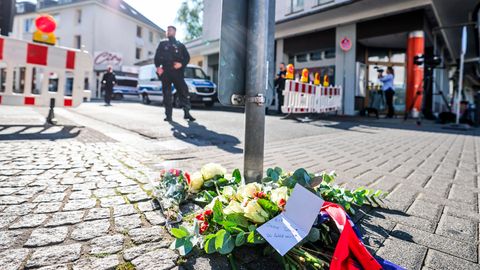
{"x": 307, "y": 98}
{"x": 1, "y": 48}
{"x": 29, "y": 101}
{"x": 70, "y": 60}
{"x": 67, "y": 102}
{"x": 37, "y": 54}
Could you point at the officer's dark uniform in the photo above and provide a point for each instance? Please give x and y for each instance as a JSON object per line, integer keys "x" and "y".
{"x": 168, "y": 52}
{"x": 108, "y": 81}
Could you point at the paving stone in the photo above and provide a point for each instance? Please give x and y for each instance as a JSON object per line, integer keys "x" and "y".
{"x": 8, "y": 191}
{"x": 155, "y": 218}
{"x": 107, "y": 263}
{"x": 44, "y": 208}
{"x": 10, "y": 238}
{"x": 147, "y": 206}
{"x": 375, "y": 230}
{"x": 144, "y": 235}
{"x": 124, "y": 210}
{"x": 90, "y": 229}
{"x": 10, "y": 200}
{"x": 462, "y": 194}
{"x": 468, "y": 251}
{"x": 104, "y": 192}
{"x": 54, "y": 267}
{"x": 441, "y": 261}
{"x": 65, "y": 218}
{"x": 406, "y": 219}
{"x": 161, "y": 259}
{"x": 458, "y": 228}
{"x": 12, "y": 259}
{"x": 29, "y": 221}
{"x": 131, "y": 253}
{"x": 138, "y": 197}
{"x": 82, "y": 194}
{"x": 84, "y": 186}
{"x": 54, "y": 255}
{"x": 98, "y": 213}
{"x": 112, "y": 201}
{"x": 6, "y": 220}
{"x": 50, "y": 197}
{"x": 427, "y": 210}
{"x": 107, "y": 244}
{"x": 405, "y": 254}
{"x": 73, "y": 205}
{"x": 129, "y": 189}
{"x": 47, "y": 236}
{"x": 125, "y": 223}
{"x": 19, "y": 209}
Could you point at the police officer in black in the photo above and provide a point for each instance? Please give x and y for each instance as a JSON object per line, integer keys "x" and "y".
{"x": 171, "y": 59}
{"x": 108, "y": 81}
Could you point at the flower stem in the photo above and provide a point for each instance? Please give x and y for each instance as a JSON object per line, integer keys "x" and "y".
{"x": 231, "y": 259}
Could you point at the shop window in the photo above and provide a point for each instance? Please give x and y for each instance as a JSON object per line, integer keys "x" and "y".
{"x": 139, "y": 31}
{"x": 28, "y": 25}
{"x": 291, "y": 59}
{"x": 315, "y": 56}
{"x": 302, "y": 58}
{"x": 3, "y": 77}
{"x": 138, "y": 53}
{"x": 78, "y": 15}
{"x": 69, "y": 84}
{"x": 150, "y": 36}
{"x": 375, "y": 55}
{"x": 37, "y": 80}
{"x": 398, "y": 57}
{"x": 78, "y": 42}
{"x": 53, "y": 82}
{"x": 296, "y": 5}
{"x": 19, "y": 80}
{"x": 86, "y": 81}
{"x": 330, "y": 53}
{"x": 323, "y": 2}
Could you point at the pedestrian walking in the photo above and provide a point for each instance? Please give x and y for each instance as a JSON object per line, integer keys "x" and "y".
{"x": 171, "y": 58}
{"x": 388, "y": 89}
{"x": 108, "y": 81}
{"x": 280, "y": 86}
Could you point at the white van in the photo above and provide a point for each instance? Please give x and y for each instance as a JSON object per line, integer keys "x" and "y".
{"x": 201, "y": 89}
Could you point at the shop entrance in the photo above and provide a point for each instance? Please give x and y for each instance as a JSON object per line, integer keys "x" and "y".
{"x": 380, "y": 59}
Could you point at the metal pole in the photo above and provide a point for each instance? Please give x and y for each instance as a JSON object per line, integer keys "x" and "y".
{"x": 460, "y": 77}
{"x": 259, "y": 80}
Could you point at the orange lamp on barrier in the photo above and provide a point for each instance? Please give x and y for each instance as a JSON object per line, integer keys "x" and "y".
{"x": 317, "y": 79}
{"x": 290, "y": 72}
{"x": 45, "y": 25}
{"x": 304, "y": 78}
{"x": 326, "y": 83}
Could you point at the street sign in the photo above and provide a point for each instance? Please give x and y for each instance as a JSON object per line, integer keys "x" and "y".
{"x": 233, "y": 52}
{"x": 345, "y": 44}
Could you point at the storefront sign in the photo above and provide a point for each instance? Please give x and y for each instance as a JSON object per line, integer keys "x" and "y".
{"x": 104, "y": 59}
{"x": 345, "y": 44}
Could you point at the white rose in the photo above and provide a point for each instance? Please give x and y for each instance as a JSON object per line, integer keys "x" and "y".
{"x": 228, "y": 192}
{"x": 248, "y": 191}
{"x": 233, "y": 207}
{"x": 196, "y": 182}
{"x": 278, "y": 195}
{"x": 211, "y": 170}
{"x": 255, "y": 212}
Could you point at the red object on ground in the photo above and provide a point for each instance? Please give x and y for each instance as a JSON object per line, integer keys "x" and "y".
{"x": 415, "y": 46}
{"x": 46, "y": 24}
{"x": 350, "y": 253}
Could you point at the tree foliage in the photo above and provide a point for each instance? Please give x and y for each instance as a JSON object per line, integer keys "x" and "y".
{"x": 190, "y": 15}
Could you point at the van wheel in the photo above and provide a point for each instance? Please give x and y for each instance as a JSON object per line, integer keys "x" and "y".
{"x": 117, "y": 96}
{"x": 145, "y": 99}
{"x": 209, "y": 104}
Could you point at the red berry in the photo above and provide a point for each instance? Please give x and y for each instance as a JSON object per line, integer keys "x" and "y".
{"x": 200, "y": 217}
{"x": 187, "y": 175}
{"x": 282, "y": 203}
{"x": 208, "y": 212}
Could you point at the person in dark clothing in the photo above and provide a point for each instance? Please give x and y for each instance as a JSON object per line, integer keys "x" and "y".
{"x": 108, "y": 81}
{"x": 388, "y": 89}
{"x": 171, "y": 58}
{"x": 280, "y": 85}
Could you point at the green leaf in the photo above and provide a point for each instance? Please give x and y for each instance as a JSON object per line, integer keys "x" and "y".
{"x": 240, "y": 240}
{"x": 209, "y": 183}
{"x": 222, "y": 182}
{"x": 238, "y": 219}
{"x": 210, "y": 245}
{"x": 302, "y": 177}
{"x": 217, "y": 211}
{"x": 224, "y": 242}
{"x": 255, "y": 238}
{"x": 313, "y": 235}
{"x": 237, "y": 176}
{"x": 179, "y": 233}
{"x": 184, "y": 246}
{"x": 252, "y": 228}
{"x": 269, "y": 206}
{"x": 267, "y": 180}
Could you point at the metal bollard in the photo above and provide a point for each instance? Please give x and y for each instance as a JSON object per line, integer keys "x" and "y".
{"x": 51, "y": 115}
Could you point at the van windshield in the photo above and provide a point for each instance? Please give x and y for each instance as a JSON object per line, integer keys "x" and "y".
{"x": 195, "y": 73}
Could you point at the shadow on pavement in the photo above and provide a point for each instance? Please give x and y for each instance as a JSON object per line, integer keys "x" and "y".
{"x": 199, "y": 135}
{"x": 37, "y": 132}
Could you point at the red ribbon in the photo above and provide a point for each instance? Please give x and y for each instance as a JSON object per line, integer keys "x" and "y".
{"x": 350, "y": 253}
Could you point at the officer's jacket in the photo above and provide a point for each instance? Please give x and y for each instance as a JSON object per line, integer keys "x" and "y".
{"x": 109, "y": 79}
{"x": 170, "y": 51}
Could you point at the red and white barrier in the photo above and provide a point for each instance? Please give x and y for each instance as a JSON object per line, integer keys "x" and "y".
{"x": 23, "y": 64}
{"x": 308, "y": 98}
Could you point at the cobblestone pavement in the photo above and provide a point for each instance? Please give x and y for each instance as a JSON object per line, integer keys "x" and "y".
{"x": 83, "y": 201}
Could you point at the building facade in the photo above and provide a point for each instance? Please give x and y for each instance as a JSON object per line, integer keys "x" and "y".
{"x": 310, "y": 34}
{"x": 112, "y": 31}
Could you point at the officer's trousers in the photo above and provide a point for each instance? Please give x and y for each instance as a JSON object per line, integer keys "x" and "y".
{"x": 176, "y": 78}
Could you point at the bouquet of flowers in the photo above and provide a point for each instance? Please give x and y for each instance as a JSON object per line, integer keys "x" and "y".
{"x": 232, "y": 211}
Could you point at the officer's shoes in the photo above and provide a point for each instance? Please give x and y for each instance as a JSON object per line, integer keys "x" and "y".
{"x": 168, "y": 119}
{"x": 190, "y": 118}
